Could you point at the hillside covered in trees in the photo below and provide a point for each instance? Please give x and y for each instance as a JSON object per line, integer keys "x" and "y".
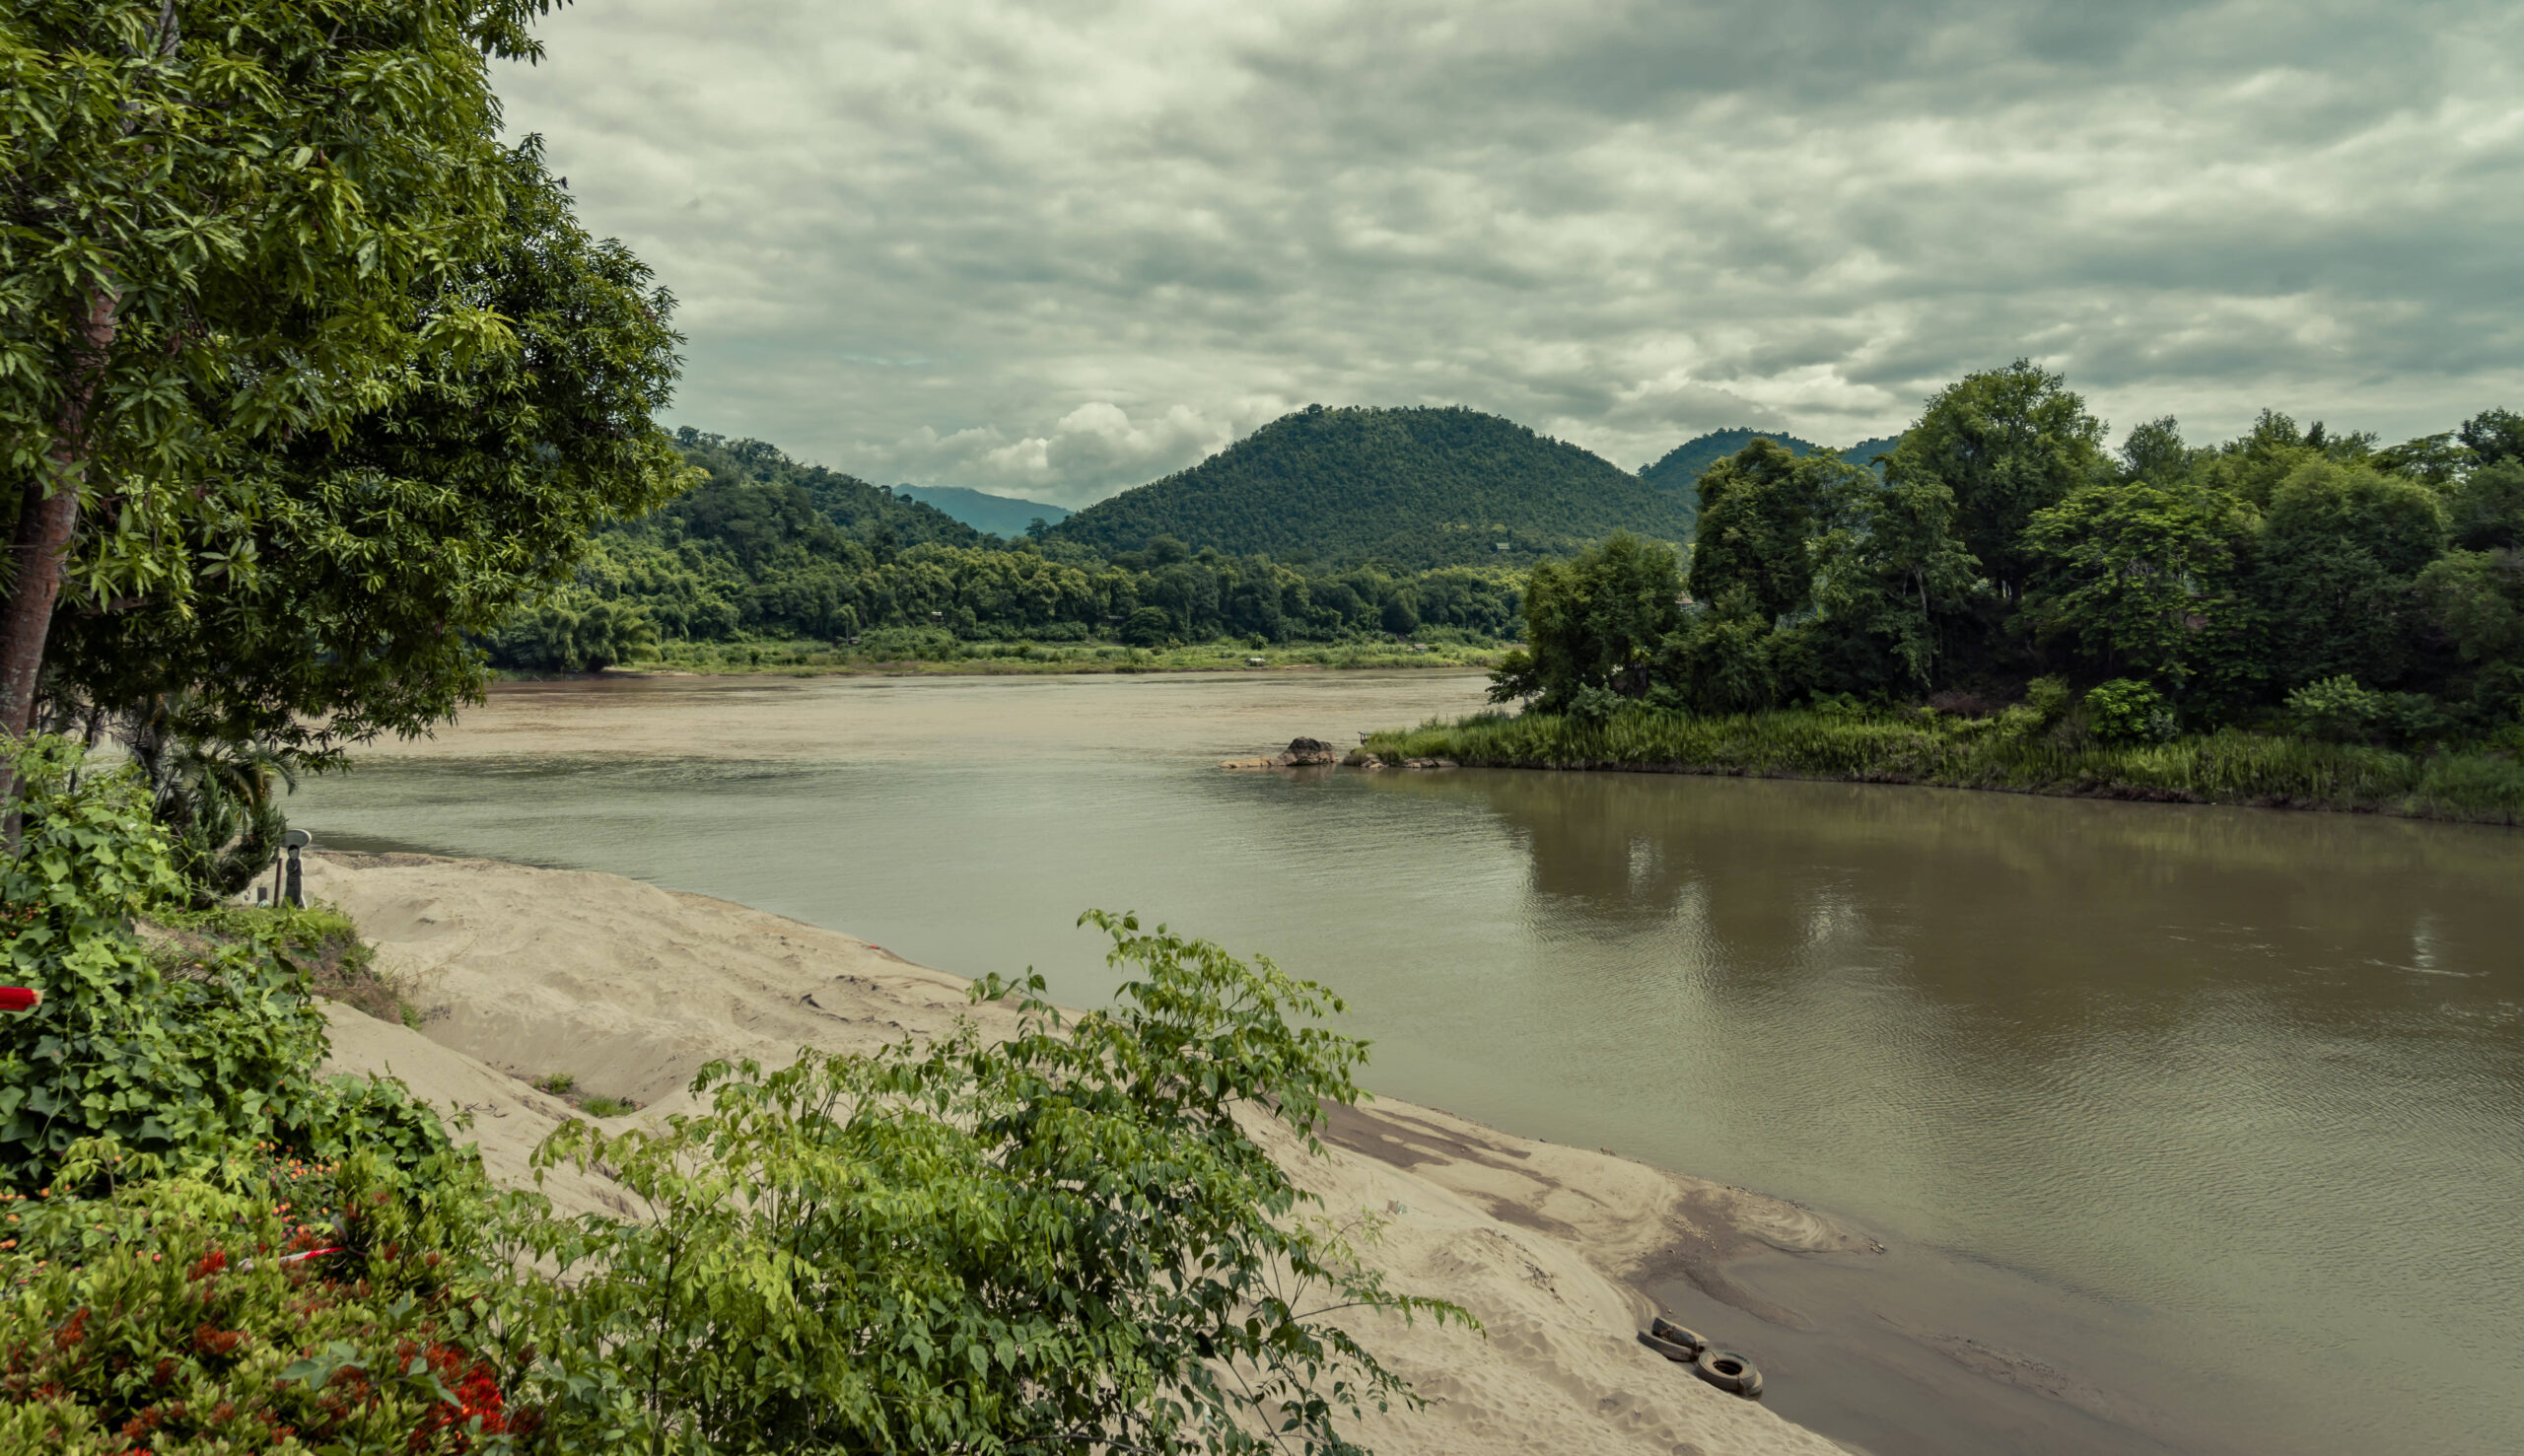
{"x": 1680, "y": 467}
{"x": 1410, "y": 488}
{"x": 763, "y": 547}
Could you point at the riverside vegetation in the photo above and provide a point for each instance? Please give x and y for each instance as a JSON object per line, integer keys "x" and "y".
{"x": 2292, "y": 618}
{"x": 1063, "y": 1241}
{"x": 309, "y": 384}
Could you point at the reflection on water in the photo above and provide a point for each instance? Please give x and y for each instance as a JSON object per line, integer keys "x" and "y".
{"x": 2226, "y": 1107}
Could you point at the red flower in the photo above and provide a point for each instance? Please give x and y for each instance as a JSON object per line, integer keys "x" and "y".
{"x": 211, "y": 1263}
{"x": 477, "y": 1397}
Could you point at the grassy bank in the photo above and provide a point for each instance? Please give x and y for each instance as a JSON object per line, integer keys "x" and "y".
{"x": 943, "y": 654}
{"x": 2481, "y": 786}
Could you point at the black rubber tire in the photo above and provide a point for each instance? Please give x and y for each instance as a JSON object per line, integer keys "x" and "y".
{"x": 1681, "y": 1354}
{"x": 1674, "y": 1333}
{"x": 1730, "y": 1372}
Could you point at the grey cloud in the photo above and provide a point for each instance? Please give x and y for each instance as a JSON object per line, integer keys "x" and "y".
{"x": 1060, "y": 249}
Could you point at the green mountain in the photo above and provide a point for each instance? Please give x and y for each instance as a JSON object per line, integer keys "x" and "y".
{"x": 1001, "y": 516}
{"x": 1680, "y": 468}
{"x": 1416, "y": 488}
{"x": 758, "y": 501}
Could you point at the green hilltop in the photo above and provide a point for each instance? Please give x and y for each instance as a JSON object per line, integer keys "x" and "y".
{"x": 1415, "y": 488}
{"x": 1681, "y": 466}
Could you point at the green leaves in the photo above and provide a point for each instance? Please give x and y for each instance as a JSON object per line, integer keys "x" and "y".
{"x": 279, "y": 307}
{"x": 178, "y": 1069}
{"x": 2142, "y": 577}
{"x": 346, "y": 608}
{"x": 1600, "y": 621}
{"x": 1059, "y": 1240}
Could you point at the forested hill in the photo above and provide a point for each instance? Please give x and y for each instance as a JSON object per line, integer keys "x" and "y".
{"x": 1001, "y": 516}
{"x": 1416, "y": 488}
{"x": 756, "y": 499}
{"x": 1680, "y": 468}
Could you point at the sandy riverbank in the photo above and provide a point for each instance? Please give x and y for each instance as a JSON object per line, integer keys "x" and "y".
{"x": 523, "y": 973}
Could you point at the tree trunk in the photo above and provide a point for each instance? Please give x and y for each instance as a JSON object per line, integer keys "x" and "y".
{"x": 47, "y": 518}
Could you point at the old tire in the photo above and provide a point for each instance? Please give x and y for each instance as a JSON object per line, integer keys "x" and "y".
{"x": 1680, "y": 1354}
{"x": 1674, "y": 1333}
{"x": 1730, "y": 1372}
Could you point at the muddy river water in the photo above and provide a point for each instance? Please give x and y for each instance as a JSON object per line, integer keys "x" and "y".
{"x": 2184, "y": 1128}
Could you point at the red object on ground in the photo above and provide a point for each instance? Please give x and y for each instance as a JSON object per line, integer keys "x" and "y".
{"x": 19, "y": 999}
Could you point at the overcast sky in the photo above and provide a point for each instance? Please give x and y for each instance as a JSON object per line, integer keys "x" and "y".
{"x": 1055, "y": 250}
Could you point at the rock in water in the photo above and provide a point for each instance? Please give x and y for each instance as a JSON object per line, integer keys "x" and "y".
{"x": 1309, "y": 751}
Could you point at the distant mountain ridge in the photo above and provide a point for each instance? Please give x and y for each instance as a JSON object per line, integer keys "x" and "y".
{"x": 1682, "y": 466}
{"x": 753, "y": 494}
{"x": 1001, "y": 516}
{"x": 1415, "y": 487}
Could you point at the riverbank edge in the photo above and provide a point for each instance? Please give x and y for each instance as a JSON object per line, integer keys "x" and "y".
{"x": 1001, "y": 668}
{"x": 521, "y": 973}
{"x": 2229, "y": 768}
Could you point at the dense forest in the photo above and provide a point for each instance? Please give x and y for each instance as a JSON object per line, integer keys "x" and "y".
{"x": 763, "y": 546}
{"x": 1408, "y": 488}
{"x": 2292, "y": 577}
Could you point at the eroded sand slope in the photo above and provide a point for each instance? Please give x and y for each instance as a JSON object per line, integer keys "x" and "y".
{"x": 629, "y": 989}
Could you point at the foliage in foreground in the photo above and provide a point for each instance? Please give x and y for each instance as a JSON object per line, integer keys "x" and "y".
{"x": 1064, "y": 1242}
{"x": 1067, "y": 1240}
{"x": 195, "y": 1313}
{"x": 2023, "y": 751}
{"x": 180, "y": 1062}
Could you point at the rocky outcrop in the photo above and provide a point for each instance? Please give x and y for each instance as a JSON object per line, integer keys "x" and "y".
{"x": 1300, "y": 753}
{"x": 1303, "y": 752}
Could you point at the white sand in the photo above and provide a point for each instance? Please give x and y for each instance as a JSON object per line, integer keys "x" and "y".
{"x": 629, "y": 989}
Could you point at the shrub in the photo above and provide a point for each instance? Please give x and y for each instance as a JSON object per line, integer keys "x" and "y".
{"x": 1148, "y": 627}
{"x": 1064, "y": 1242}
{"x": 1595, "y": 706}
{"x": 2336, "y": 710}
{"x": 161, "y": 1315}
{"x": 2127, "y": 710}
{"x": 175, "y": 1065}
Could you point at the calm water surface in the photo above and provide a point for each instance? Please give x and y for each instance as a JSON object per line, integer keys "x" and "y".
{"x": 2221, "y": 1111}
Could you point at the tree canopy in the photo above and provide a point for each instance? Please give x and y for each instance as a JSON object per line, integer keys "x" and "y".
{"x": 2292, "y": 575}
{"x": 218, "y": 215}
{"x": 374, "y": 548}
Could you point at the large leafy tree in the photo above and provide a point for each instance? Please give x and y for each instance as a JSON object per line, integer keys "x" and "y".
{"x": 1597, "y": 622}
{"x": 377, "y": 549}
{"x": 1758, "y": 508}
{"x": 215, "y": 217}
{"x": 2007, "y": 443}
{"x": 2340, "y": 553}
{"x": 1891, "y": 574}
{"x": 2140, "y": 579}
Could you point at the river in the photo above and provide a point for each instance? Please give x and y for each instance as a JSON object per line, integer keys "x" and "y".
{"x": 2186, "y": 1129}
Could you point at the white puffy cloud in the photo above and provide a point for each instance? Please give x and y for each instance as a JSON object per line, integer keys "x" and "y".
{"x": 1058, "y": 248}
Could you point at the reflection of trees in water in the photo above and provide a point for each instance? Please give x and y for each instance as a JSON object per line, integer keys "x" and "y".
{"x": 1972, "y": 895}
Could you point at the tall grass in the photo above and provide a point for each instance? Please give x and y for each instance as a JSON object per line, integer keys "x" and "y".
{"x": 2227, "y": 767}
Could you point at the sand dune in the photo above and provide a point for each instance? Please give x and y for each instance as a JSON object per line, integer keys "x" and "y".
{"x": 629, "y": 989}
